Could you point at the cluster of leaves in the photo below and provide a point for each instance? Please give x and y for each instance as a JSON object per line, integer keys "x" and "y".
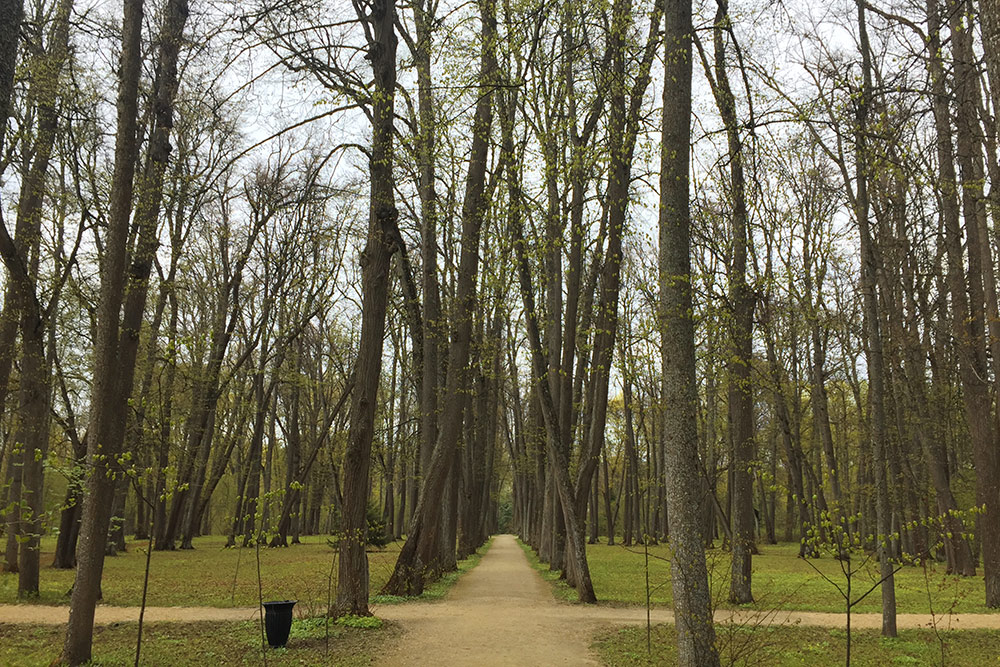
{"x": 352, "y": 621}
{"x": 377, "y": 536}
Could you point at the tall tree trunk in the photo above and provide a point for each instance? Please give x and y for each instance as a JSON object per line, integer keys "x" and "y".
{"x": 352, "y": 588}
{"x": 966, "y": 317}
{"x": 96, "y": 512}
{"x": 983, "y": 324}
{"x": 692, "y": 598}
{"x": 420, "y": 555}
{"x": 624, "y": 123}
{"x": 11, "y": 12}
{"x": 740, "y": 387}
{"x": 433, "y": 338}
{"x": 21, "y": 257}
{"x": 117, "y": 344}
{"x": 165, "y": 426}
{"x": 873, "y": 335}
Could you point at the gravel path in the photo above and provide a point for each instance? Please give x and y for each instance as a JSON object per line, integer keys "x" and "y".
{"x": 500, "y": 613}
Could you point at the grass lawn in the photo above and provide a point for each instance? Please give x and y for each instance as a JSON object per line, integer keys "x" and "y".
{"x": 201, "y": 644}
{"x": 204, "y": 577}
{"x": 781, "y": 580}
{"x": 797, "y": 646}
{"x": 210, "y": 575}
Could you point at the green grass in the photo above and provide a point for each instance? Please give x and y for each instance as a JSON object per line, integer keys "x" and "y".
{"x": 202, "y": 644}
{"x": 781, "y": 580}
{"x": 795, "y": 646}
{"x": 210, "y": 575}
{"x": 204, "y": 577}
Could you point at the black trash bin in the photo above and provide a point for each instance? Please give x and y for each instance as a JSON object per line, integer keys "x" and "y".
{"x": 278, "y": 621}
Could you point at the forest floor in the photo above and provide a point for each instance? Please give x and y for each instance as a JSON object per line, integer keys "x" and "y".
{"x": 502, "y": 612}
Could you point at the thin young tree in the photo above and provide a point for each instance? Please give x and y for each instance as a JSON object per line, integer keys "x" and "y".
{"x": 873, "y": 334}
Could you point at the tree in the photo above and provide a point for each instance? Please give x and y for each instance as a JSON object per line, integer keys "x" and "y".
{"x": 740, "y": 390}
{"x": 692, "y": 603}
{"x": 873, "y": 335}
{"x": 378, "y": 19}
{"x": 419, "y": 557}
{"x": 20, "y": 256}
{"x": 118, "y": 334}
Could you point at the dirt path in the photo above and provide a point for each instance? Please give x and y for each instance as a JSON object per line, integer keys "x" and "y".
{"x": 500, "y": 613}
{"x": 103, "y": 615}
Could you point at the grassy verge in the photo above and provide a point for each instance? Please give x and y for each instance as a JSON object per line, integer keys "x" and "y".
{"x": 560, "y": 588}
{"x": 202, "y": 644}
{"x": 439, "y": 588}
{"x": 781, "y": 580}
{"x": 795, "y": 646}
{"x": 210, "y": 575}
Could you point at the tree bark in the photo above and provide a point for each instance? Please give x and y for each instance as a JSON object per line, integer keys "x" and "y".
{"x": 692, "y": 598}
{"x": 421, "y": 554}
{"x": 118, "y": 339}
{"x": 352, "y": 588}
{"x": 740, "y": 387}
{"x": 101, "y": 448}
{"x": 873, "y": 335}
{"x": 11, "y": 12}
{"x": 983, "y": 323}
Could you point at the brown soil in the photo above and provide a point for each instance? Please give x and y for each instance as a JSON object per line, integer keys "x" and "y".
{"x": 500, "y": 613}
{"x": 46, "y": 615}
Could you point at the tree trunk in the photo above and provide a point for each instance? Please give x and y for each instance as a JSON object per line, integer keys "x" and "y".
{"x": 692, "y": 597}
{"x": 873, "y": 335}
{"x": 984, "y": 326}
{"x": 69, "y": 516}
{"x": 967, "y": 322}
{"x": 105, "y": 409}
{"x": 116, "y": 343}
{"x": 11, "y": 12}
{"x": 166, "y": 424}
{"x": 740, "y": 387}
{"x": 420, "y": 555}
{"x": 433, "y": 335}
{"x": 624, "y": 123}
{"x": 352, "y": 588}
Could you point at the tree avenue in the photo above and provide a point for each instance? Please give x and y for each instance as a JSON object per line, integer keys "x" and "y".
{"x": 713, "y": 275}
